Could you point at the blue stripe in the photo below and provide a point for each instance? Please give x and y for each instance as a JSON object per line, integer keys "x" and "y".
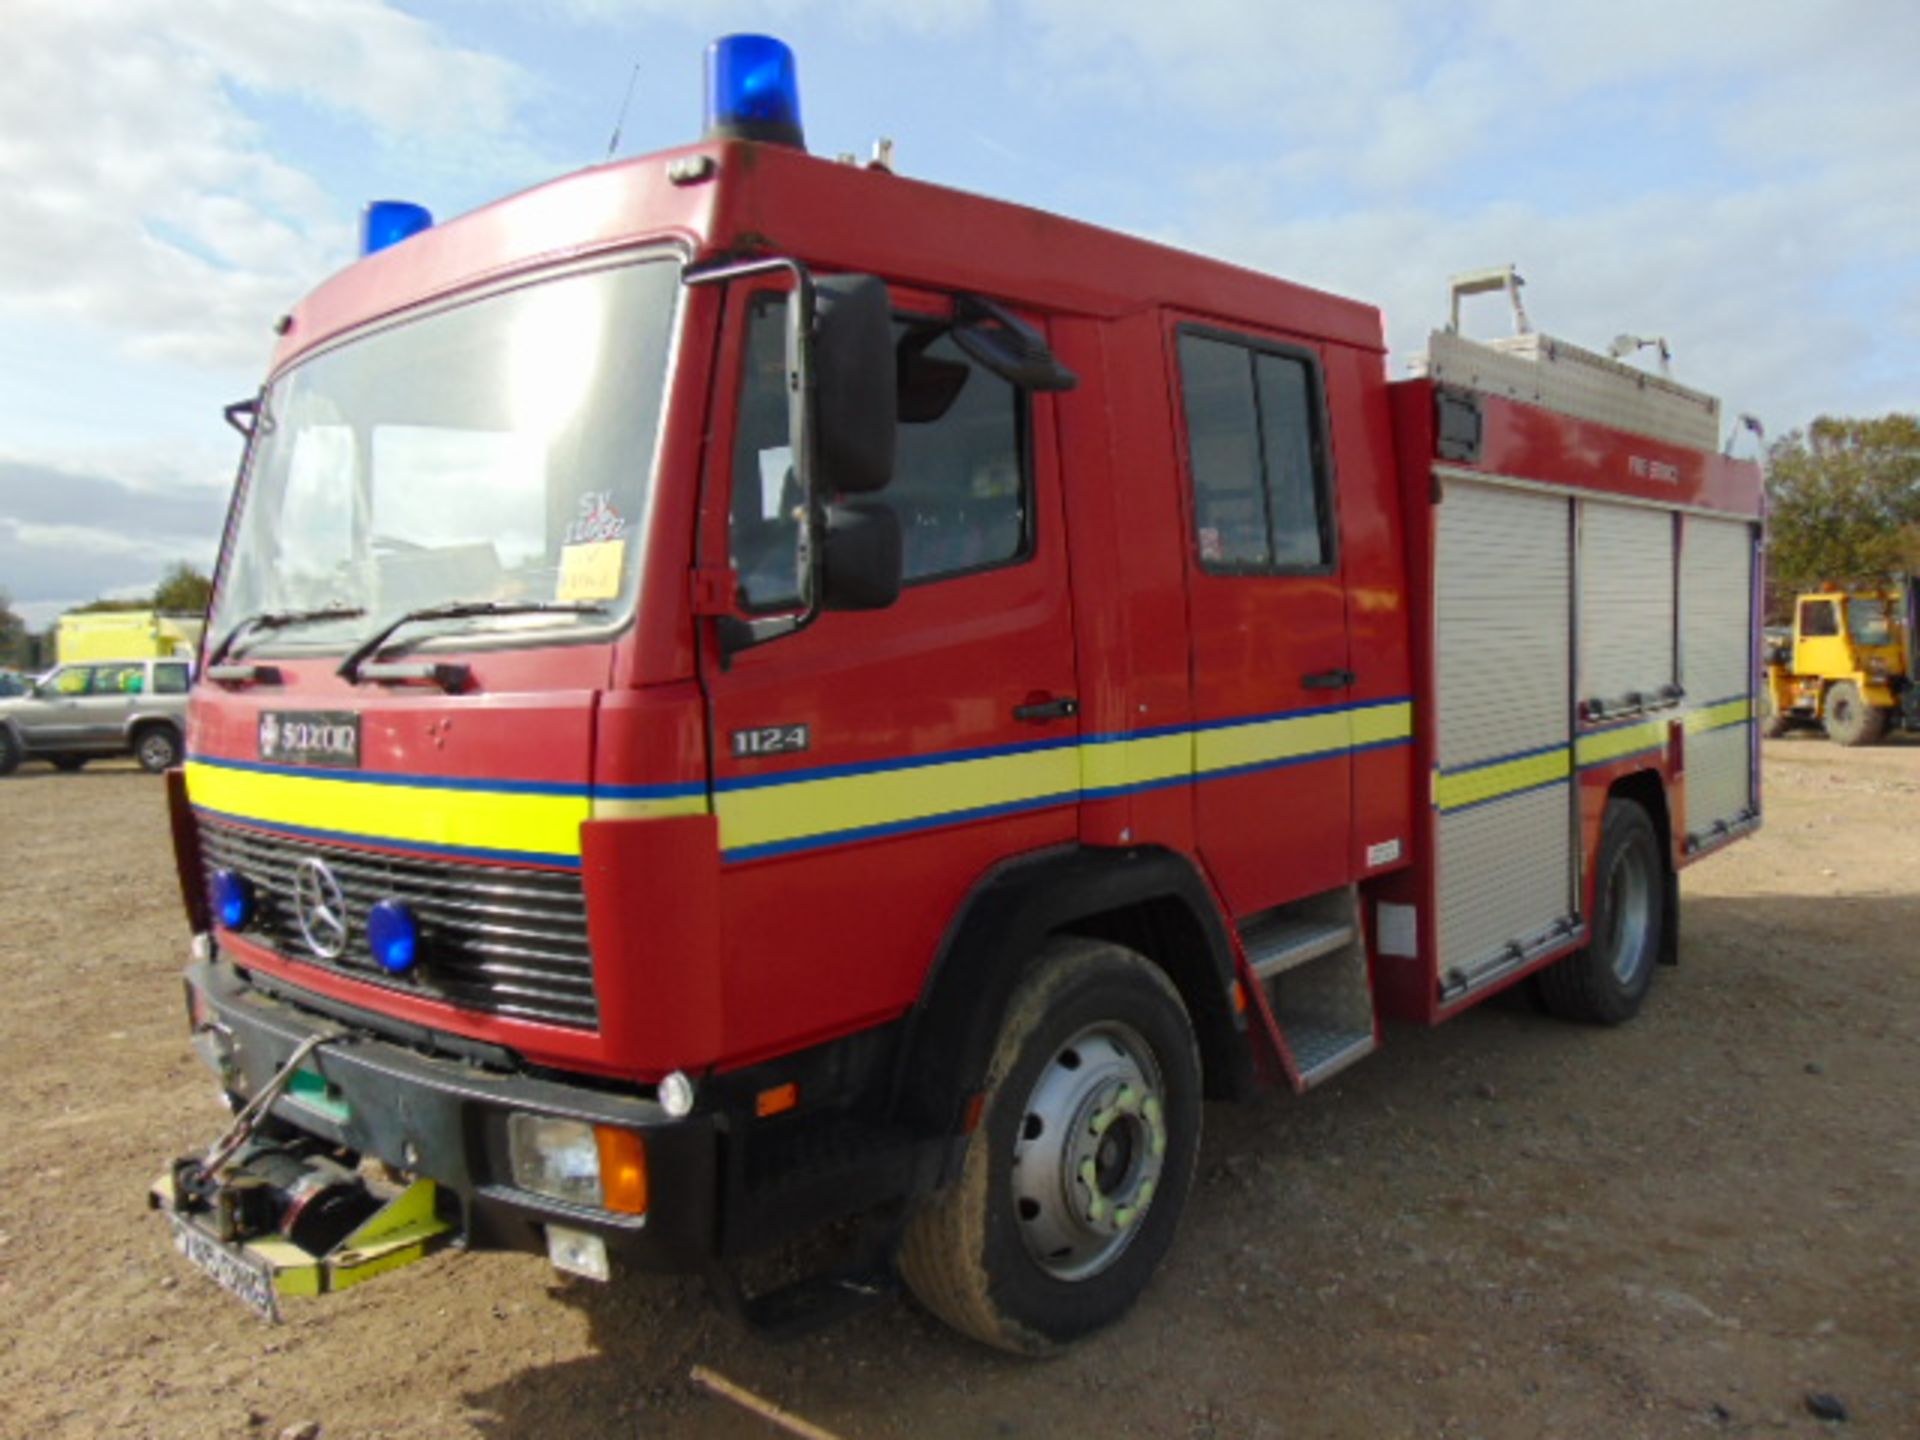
{"x": 897, "y": 827}
{"x": 457, "y": 782}
{"x": 878, "y": 767}
{"x": 1656, "y": 748}
{"x": 1504, "y": 795}
{"x": 1469, "y": 769}
{"x": 992, "y": 752}
{"x": 387, "y": 842}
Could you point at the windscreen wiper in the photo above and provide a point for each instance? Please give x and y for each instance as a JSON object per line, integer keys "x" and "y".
{"x": 278, "y": 620}
{"x": 459, "y": 610}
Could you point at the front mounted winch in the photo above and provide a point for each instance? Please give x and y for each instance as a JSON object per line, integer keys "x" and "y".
{"x": 265, "y": 1218}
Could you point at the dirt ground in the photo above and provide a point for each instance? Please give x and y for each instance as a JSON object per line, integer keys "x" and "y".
{"x": 1503, "y": 1227}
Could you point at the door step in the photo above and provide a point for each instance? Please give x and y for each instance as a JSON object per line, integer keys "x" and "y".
{"x": 1277, "y": 943}
{"x": 1311, "y": 960}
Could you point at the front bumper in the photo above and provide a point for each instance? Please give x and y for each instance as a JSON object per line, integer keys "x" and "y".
{"x": 446, "y": 1120}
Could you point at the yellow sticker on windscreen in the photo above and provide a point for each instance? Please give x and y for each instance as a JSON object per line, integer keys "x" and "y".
{"x": 590, "y": 571}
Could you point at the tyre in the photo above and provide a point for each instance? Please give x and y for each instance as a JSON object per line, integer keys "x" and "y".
{"x": 157, "y": 748}
{"x": 1073, "y": 1182}
{"x": 1772, "y": 723}
{"x": 9, "y": 752}
{"x": 1850, "y": 719}
{"x": 67, "y": 764}
{"x": 1606, "y": 983}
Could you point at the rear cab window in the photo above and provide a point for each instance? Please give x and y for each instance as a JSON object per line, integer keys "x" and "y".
{"x": 1256, "y": 449}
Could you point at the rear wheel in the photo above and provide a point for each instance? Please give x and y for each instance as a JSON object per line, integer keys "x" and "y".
{"x": 157, "y": 748}
{"x": 1850, "y": 719}
{"x": 1606, "y": 983}
{"x": 67, "y": 763}
{"x": 1073, "y": 1183}
{"x": 1772, "y": 723}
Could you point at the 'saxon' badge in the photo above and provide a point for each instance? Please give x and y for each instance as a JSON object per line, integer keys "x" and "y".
{"x": 311, "y": 737}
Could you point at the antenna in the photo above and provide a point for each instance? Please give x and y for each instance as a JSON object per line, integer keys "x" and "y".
{"x": 619, "y": 120}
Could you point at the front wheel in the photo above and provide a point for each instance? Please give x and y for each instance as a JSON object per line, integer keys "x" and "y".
{"x": 157, "y": 748}
{"x": 1073, "y": 1183}
{"x": 9, "y": 752}
{"x": 1606, "y": 983}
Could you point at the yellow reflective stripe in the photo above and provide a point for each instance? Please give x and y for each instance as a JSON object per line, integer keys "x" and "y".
{"x": 1717, "y": 717}
{"x": 1378, "y": 723}
{"x": 1612, "y": 744}
{"x": 526, "y": 824}
{"x": 1264, "y": 742}
{"x": 667, "y": 809}
{"x": 880, "y": 799}
{"x": 1122, "y": 764}
{"x": 1489, "y": 782}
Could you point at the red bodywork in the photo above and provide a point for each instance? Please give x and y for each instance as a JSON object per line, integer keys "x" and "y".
{"x": 710, "y": 956}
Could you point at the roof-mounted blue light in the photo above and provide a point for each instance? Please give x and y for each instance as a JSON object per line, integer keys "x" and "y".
{"x": 388, "y": 222}
{"x": 753, "y": 91}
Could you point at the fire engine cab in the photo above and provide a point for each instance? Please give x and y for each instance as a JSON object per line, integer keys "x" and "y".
{"x": 746, "y": 691}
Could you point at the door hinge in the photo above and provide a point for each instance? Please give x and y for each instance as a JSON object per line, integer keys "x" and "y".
{"x": 713, "y": 589}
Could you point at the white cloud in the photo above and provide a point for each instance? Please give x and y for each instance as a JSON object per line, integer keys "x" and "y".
{"x": 138, "y": 198}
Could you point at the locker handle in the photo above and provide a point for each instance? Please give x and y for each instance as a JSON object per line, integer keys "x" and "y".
{"x": 1328, "y": 679}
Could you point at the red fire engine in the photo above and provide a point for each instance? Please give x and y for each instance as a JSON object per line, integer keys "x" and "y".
{"x": 748, "y": 691}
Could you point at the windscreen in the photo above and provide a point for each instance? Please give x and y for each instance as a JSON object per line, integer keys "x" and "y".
{"x": 497, "y": 450}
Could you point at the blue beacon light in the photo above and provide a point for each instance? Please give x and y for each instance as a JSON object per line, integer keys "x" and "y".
{"x": 393, "y": 935}
{"x": 232, "y": 899}
{"x": 388, "y": 222}
{"x": 753, "y": 91}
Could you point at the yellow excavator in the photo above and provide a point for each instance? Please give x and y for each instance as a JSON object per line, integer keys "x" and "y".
{"x": 1848, "y": 665}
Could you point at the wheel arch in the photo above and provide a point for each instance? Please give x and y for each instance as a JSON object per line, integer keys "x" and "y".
{"x": 1150, "y": 900}
{"x": 1648, "y": 790}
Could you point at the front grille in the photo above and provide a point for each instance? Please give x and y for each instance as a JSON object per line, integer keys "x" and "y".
{"x": 506, "y": 941}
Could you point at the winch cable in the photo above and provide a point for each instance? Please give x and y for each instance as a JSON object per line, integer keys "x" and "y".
{"x": 250, "y": 1115}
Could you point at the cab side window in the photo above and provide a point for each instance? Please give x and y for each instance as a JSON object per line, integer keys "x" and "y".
{"x": 169, "y": 679}
{"x": 1819, "y": 619}
{"x": 961, "y": 486}
{"x": 1262, "y": 492}
{"x": 72, "y": 680}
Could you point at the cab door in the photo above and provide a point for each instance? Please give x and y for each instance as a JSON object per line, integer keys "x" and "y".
{"x": 870, "y": 768}
{"x": 1272, "y": 672}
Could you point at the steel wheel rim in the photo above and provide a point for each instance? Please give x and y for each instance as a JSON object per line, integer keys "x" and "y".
{"x": 1089, "y": 1150}
{"x": 1628, "y": 914}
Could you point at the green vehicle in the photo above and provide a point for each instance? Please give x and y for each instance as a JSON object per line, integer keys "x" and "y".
{"x": 97, "y": 708}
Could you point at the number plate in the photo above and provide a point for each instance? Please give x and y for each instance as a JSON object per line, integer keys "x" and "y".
{"x": 247, "y": 1278}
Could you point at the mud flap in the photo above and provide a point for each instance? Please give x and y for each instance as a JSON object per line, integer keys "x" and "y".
{"x": 258, "y": 1270}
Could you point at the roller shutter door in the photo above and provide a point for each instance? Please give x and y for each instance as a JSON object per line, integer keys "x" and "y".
{"x": 1626, "y": 602}
{"x": 1716, "y": 666}
{"x": 1502, "y": 647}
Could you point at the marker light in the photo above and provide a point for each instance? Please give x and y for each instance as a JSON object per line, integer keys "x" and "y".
{"x": 394, "y": 936}
{"x": 388, "y": 222}
{"x": 753, "y": 92}
{"x": 232, "y": 898}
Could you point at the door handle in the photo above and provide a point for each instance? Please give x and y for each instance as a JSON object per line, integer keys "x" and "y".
{"x": 1041, "y": 711}
{"x": 1328, "y": 679}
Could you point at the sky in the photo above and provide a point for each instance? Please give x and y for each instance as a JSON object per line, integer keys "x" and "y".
{"x": 1740, "y": 176}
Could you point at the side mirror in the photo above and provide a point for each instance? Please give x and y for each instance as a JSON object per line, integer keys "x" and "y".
{"x": 860, "y": 558}
{"x": 855, "y": 386}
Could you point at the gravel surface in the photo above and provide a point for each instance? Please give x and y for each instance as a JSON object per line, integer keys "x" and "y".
{"x": 1702, "y": 1223}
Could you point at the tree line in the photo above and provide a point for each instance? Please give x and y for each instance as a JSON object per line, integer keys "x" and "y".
{"x": 183, "y": 590}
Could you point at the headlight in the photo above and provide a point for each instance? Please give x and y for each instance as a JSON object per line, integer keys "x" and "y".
{"x": 555, "y": 1157}
{"x": 597, "y": 1165}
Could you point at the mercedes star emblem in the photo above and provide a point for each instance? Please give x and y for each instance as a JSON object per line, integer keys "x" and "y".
{"x": 321, "y": 907}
